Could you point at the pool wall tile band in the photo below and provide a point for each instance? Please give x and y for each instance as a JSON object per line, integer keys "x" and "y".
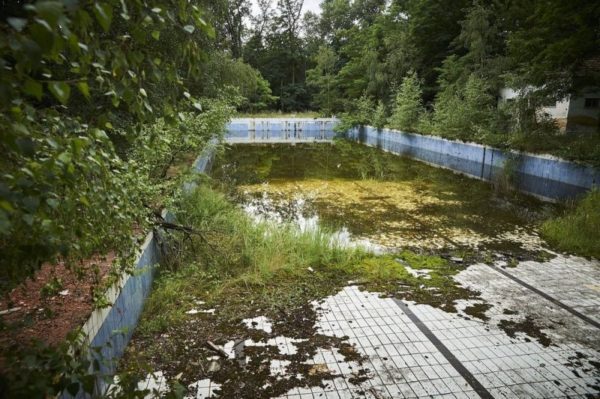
{"x": 546, "y": 177}
{"x": 543, "y": 176}
{"x": 293, "y": 129}
{"x": 110, "y": 329}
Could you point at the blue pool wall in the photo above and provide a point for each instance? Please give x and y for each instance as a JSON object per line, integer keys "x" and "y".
{"x": 109, "y": 330}
{"x": 274, "y": 129}
{"x": 546, "y": 177}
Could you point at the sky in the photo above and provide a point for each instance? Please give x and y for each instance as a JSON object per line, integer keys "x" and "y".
{"x": 309, "y": 5}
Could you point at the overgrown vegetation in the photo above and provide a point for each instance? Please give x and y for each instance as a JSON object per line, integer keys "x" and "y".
{"x": 100, "y": 101}
{"x": 368, "y": 53}
{"x": 232, "y": 262}
{"x": 229, "y": 251}
{"x": 578, "y": 230}
{"x": 96, "y": 102}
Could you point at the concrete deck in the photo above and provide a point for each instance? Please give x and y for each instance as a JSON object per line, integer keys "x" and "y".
{"x": 416, "y": 350}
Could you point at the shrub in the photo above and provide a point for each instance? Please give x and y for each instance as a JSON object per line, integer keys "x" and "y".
{"x": 379, "y": 117}
{"x": 360, "y": 112}
{"x": 465, "y": 112}
{"x": 578, "y": 229}
{"x": 408, "y": 107}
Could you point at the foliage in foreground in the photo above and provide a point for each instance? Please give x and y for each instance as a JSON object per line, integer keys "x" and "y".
{"x": 72, "y": 368}
{"x": 93, "y": 107}
{"x": 578, "y": 230}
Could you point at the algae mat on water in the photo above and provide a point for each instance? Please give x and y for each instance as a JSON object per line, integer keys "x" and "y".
{"x": 379, "y": 198}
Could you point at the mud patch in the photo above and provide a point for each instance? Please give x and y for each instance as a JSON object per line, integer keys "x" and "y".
{"x": 478, "y": 310}
{"x": 526, "y": 326}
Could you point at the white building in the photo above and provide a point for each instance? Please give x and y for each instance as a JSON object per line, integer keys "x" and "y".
{"x": 572, "y": 114}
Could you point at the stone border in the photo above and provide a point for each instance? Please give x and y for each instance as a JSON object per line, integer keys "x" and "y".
{"x": 110, "y": 329}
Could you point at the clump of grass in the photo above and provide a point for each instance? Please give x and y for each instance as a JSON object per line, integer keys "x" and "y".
{"x": 232, "y": 254}
{"x": 578, "y": 229}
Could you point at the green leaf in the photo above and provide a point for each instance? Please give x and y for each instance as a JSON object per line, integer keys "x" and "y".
{"x": 33, "y": 88}
{"x": 17, "y": 23}
{"x": 27, "y": 218}
{"x": 197, "y": 106}
{"x": 103, "y": 14}
{"x": 156, "y": 35}
{"x": 60, "y": 90}
{"x": 189, "y": 29}
{"x": 84, "y": 89}
{"x": 52, "y": 203}
{"x": 7, "y": 206}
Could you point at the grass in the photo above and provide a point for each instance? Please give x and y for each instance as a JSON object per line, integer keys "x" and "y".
{"x": 232, "y": 256}
{"x": 238, "y": 266}
{"x": 578, "y": 229}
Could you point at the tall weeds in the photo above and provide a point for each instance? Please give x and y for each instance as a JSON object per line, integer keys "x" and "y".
{"x": 578, "y": 229}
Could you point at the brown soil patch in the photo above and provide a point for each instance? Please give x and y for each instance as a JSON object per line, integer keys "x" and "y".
{"x": 51, "y": 316}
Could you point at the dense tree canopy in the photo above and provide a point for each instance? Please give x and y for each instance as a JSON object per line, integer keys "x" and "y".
{"x": 81, "y": 87}
{"x": 375, "y": 44}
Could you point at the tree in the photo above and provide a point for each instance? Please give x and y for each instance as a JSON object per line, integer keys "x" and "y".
{"x": 231, "y": 14}
{"x": 75, "y": 82}
{"x": 552, "y": 42}
{"x": 322, "y": 78}
{"x": 464, "y": 111}
{"x": 408, "y": 106}
{"x": 277, "y": 50}
{"x": 431, "y": 27}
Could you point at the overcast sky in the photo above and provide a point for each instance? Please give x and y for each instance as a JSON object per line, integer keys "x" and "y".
{"x": 312, "y": 5}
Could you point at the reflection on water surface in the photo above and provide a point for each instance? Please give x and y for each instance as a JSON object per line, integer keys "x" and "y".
{"x": 377, "y": 197}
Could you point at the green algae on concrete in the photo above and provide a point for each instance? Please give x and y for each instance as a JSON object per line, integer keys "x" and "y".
{"x": 388, "y": 200}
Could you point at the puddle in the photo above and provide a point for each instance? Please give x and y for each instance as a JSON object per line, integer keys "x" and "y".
{"x": 378, "y": 199}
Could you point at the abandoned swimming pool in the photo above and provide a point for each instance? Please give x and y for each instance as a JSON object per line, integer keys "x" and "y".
{"x": 503, "y": 331}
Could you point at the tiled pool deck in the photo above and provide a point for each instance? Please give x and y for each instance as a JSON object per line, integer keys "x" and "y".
{"x": 416, "y": 351}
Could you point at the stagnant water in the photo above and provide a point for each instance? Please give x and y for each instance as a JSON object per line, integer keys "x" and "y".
{"x": 377, "y": 198}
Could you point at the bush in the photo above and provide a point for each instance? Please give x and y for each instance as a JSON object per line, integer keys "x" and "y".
{"x": 379, "y": 117}
{"x": 223, "y": 71}
{"x": 578, "y": 229}
{"x": 360, "y": 113}
{"x": 465, "y": 112}
{"x": 408, "y": 107}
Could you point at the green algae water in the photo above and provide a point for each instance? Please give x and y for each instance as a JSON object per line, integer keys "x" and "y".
{"x": 378, "y": 198}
